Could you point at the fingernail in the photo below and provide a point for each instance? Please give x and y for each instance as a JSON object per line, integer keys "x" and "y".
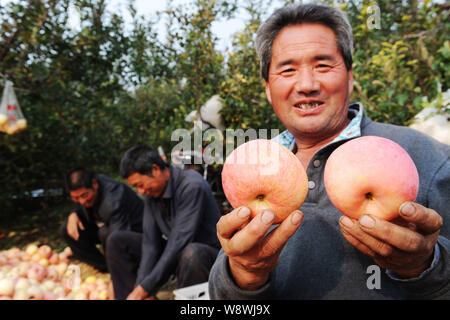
{"x": 244, "y": 212}
{"x": 296, "y": 218}
{"x": 347, "y": 222}
{"x": 267, "y": 217}
{"x": 407, "y": 209}
{"x": 367, "y": 221}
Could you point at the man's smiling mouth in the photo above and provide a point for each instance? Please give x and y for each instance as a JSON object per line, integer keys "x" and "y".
{"x": 307, "y": 106}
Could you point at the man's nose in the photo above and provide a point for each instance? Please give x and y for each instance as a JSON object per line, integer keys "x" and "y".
{"x": 306, "y": 81}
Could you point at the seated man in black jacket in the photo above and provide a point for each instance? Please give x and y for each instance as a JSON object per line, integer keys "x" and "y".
{"x": 103, "y": 206}
{"x": 179, "y": 229}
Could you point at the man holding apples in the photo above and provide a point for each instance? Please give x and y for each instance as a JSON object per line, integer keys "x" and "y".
{"x": 316, "y": 252}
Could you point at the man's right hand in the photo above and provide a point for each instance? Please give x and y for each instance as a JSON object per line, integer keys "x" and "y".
{"x": 253, "y": 253}
{"x": 73, "y": 223}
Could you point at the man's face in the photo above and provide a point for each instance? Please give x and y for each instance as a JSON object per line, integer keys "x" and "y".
{"x": 309, "y": 86}
{"x": 150, "y": 186}
{"x": 85, "y": 196}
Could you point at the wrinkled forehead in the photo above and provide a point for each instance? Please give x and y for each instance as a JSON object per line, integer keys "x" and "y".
{"x": 304, "y": 36}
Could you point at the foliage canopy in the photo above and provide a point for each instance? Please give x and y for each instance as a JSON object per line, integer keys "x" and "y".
{"x": 91, "y": 93}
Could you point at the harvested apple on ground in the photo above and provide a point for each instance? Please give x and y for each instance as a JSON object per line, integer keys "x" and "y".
{"x": 262, "y": 174}
{"x": 370, "y": 175}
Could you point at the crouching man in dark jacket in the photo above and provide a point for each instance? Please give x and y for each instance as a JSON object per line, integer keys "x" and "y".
{"x": 179, "y": 229}
{"x": 103, "y": 206}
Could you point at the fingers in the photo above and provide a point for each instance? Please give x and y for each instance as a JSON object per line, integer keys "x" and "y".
{"x": 73, "y": 223}
{"x": 238, "y": 234}
{"x": 383, "y": 237}
{"x": 80, "y": 225}
{"x": 363, "y": 241}
{"x": 232, "y": 222}
{"x": 253, "y": 251}
{"x": 279, "y": 236}
{"x": 392, "y": 234}
{"x": 73, "y": 233}
{"x": 356, "y": 243}
{"x": 426, "y": 220}
{"x": 247, "y": 238}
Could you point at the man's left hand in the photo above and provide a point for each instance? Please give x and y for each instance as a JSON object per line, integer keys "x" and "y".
{"x": 404, "y": 245}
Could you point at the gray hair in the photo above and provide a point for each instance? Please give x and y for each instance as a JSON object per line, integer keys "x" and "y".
{"x": 328, "y": 16}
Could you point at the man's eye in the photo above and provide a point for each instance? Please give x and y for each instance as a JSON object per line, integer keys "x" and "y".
{"x": 288, "y": 71}
{"x": 323, "y": 67}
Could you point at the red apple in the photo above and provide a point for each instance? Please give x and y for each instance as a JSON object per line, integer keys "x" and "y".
{"x": 13, "y": 262}
{"x": 35, "y": 257}
{"x": 21, "y": 294}
{"x": 48, "y": 285}
{"x": 59, "y": 291}
{"x": 262, "y": 174}
{"x": 45, "y": 251}
{"x": 31, "y": 249}
{"x": 37, "y": 272}
{"x": 103, "y": 295}
{"x": 35, "y": 293}
{"x": 44, "y": 262}
{"x": 22, "y": 284}
{"x": 13, "y": 253}
{"x": 50, "y": 295}
{"x": 52, "y": 273}
{"x": 6, "y": 287}
{"x": 370, "y": 175}
{"x": 3, "y": 259}
{"x": 68, "y": 252}
{"x": 25, "y": 257}
{"x": 23, "y": 268}
{"x": 61, "y": 268}
{"x": 54, "y": 258}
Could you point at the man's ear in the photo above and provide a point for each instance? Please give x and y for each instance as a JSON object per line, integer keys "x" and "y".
{"x": 269, "y": 96}
{"x": 350, "y": 81}
{"x": 156, "y": 170}
{"x": 95, "y": 184}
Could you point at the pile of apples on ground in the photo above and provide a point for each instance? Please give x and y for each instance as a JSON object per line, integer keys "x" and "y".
{"x": 40, "y": 273}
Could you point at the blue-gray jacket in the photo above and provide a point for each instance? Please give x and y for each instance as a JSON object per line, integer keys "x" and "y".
{"x": 186, "y": 212}
{"x": 319, "y": 263}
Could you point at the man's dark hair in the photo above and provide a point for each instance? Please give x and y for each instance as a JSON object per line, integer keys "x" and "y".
{"x": 140, "y": 159}
{"x": 79, "y": 178}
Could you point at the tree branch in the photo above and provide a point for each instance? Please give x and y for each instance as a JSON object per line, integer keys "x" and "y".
{"x": 10, "y": 41}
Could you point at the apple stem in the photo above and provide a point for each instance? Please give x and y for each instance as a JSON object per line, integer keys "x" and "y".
{"x": 260, "y": 197}
{"x": 369, "y": 195}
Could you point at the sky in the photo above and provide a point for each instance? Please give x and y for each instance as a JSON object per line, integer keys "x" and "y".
{"x": 222, "y": 29}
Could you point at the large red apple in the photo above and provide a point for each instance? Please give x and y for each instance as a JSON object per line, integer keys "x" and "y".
{"x": 262, "y": 174}
{"x": 370, "y": 175}
{"x": 45, "y": 251}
